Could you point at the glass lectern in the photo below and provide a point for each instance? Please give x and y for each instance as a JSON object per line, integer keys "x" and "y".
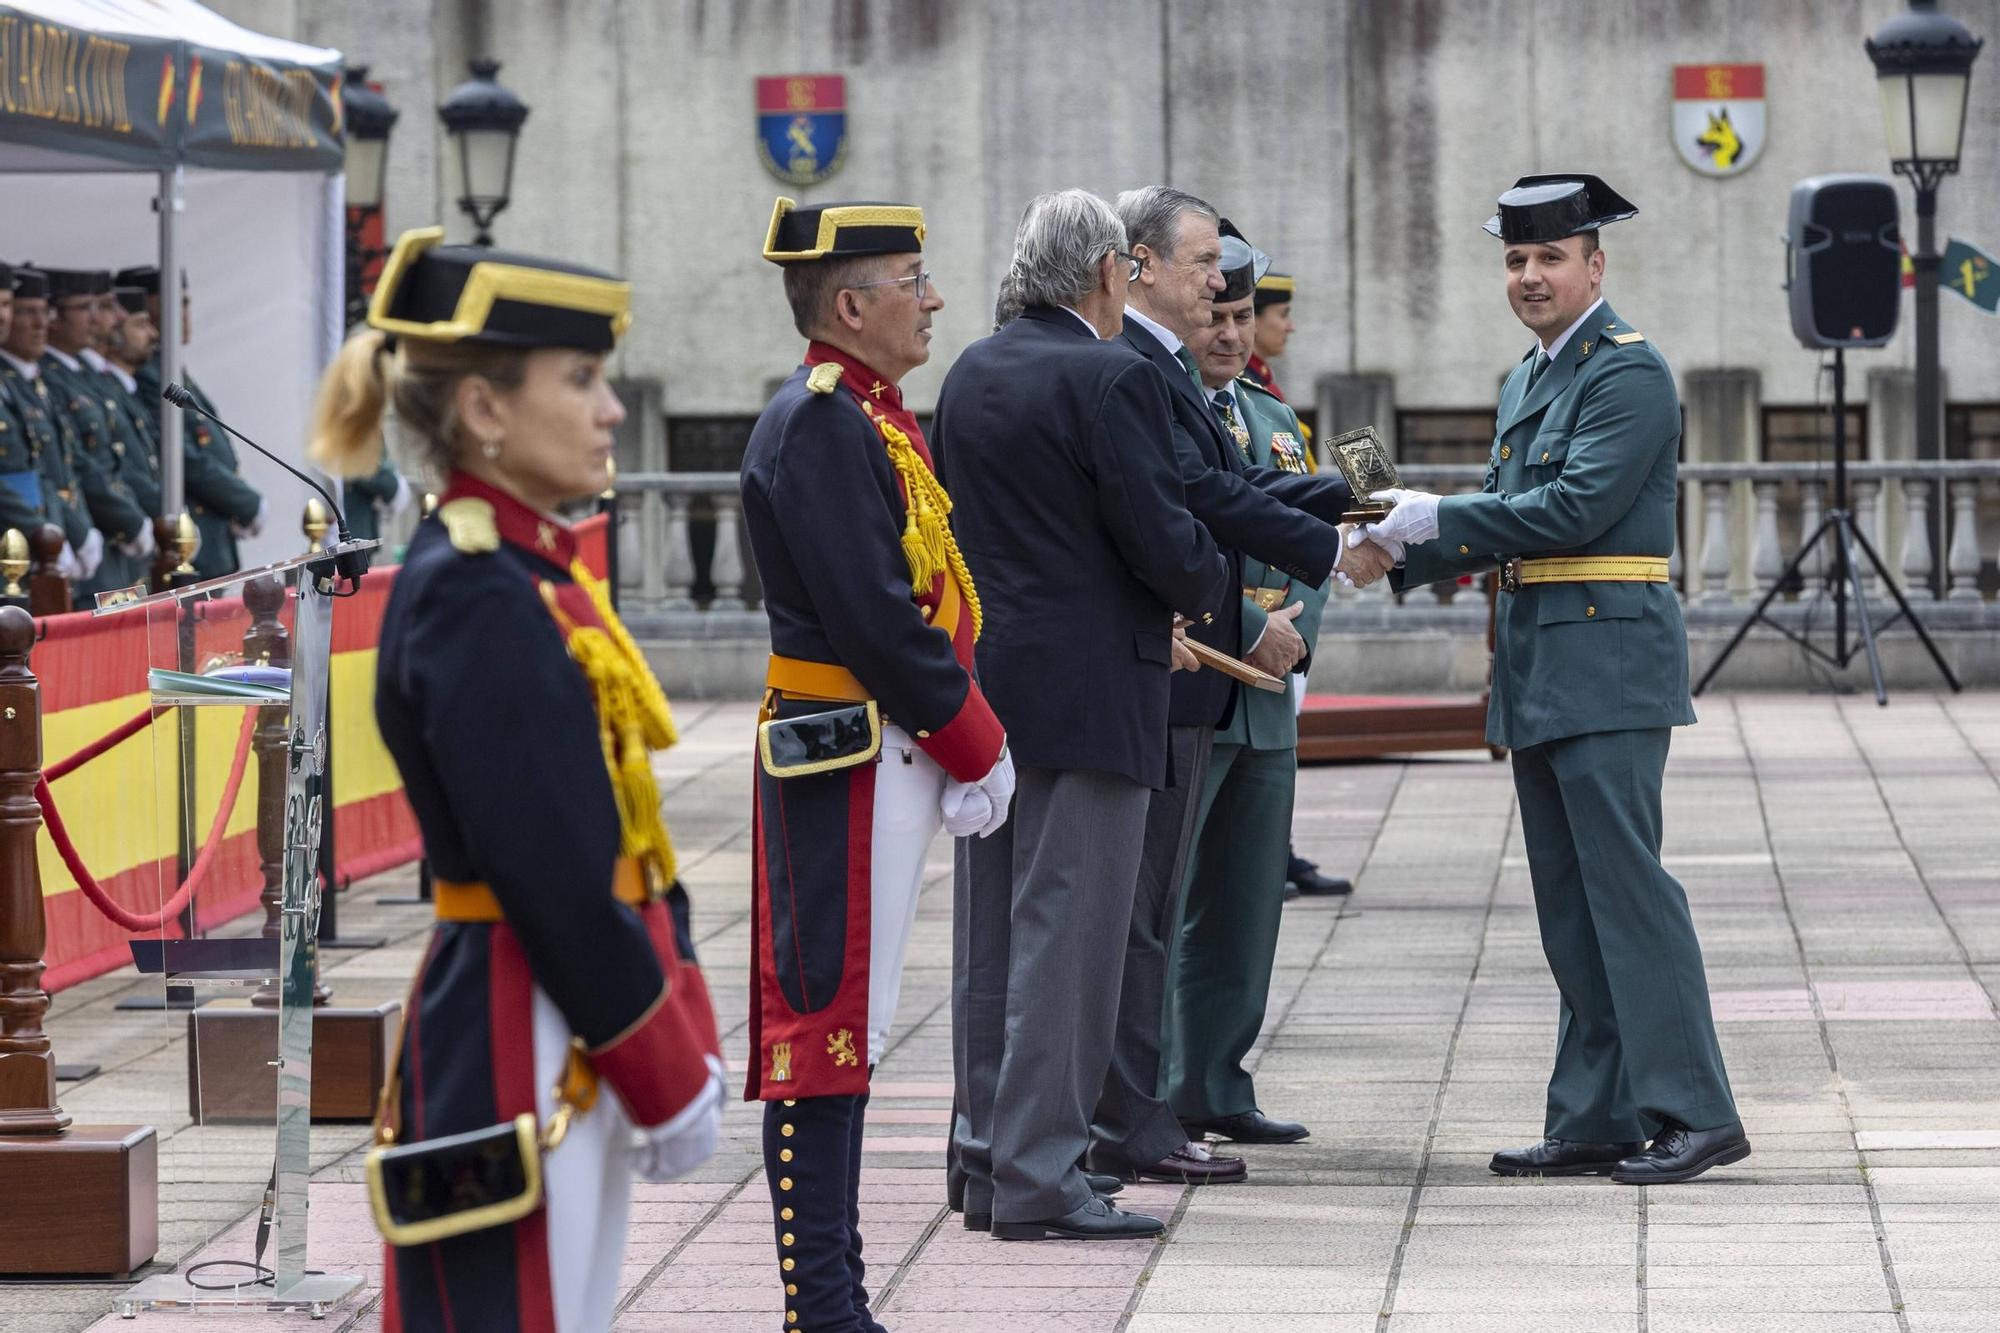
{"x": 204, "y": 663}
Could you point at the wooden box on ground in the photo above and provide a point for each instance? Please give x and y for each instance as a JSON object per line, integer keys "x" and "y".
{"x": 231, "y": 1043}
{"x": 1365, "y": 726}
{"x": 83, "y": 1201}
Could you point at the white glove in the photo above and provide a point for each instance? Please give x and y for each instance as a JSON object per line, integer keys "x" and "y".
{"x": 141, "y": 546}
{"x": 998, "y": 785}
{"x": 401, "y": 499}
{"x": 671, "y": 1150}
{"x": 1368, "y": 533}
{"x": 92, "y": 554}
{"x": 1413, "y": 521}
{"x": 255, "y": 525}
{"x": 966, "y": 809}
{"x": 67, "y": 565}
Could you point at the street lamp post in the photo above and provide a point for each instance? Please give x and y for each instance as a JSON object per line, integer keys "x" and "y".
{"x": 1923, "y": 65}
{"x": 369, "y": 118}
{"x": 483, "y": 119}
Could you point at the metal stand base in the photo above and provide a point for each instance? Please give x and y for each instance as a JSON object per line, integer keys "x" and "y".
{"x": 1843, "y": 579}
{"x": 315, "y": 1294}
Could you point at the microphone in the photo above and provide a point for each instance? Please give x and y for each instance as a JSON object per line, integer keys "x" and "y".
{"x": 350, "y": 564}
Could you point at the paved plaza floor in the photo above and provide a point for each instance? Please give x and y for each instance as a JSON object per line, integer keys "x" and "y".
{"x": 1844, "y": 866}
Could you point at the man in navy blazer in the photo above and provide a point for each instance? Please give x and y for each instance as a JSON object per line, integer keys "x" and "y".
{"x": 1285, "y": 519}
{"x": 1068, "y": 502}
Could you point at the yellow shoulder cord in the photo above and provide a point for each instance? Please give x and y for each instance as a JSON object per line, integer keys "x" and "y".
{"x": 928, "y": 543}
{"x": 633, "y": 720}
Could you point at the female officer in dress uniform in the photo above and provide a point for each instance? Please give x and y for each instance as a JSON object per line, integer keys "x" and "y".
{"x": 522, "y": 717}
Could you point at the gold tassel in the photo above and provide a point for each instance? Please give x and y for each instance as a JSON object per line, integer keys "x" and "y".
{"x": 928, "y": 544}
{"x": 633, "y": 721}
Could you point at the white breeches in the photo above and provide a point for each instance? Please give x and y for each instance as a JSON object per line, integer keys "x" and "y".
{"x": 588, "y": 1182}
{"x": 908, "y": 787}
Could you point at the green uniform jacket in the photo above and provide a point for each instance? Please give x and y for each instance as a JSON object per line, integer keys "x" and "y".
{"x": 51, "y": 447}
{"x": 114, "y": 509}
{"x": 365, "y": 499}
{"x": 1582, "y": 465}
{"x": 139, "y": 457}
{"x": 17, "y": 461}
{"x": 216, "y": 496}
{"x": 1263, "y": 720}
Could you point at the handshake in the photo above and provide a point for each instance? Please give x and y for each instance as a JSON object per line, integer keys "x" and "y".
{"x": 1412, "y": 522}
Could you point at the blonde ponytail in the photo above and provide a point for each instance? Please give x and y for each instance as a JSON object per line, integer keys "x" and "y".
{"x": 347, "y": 415}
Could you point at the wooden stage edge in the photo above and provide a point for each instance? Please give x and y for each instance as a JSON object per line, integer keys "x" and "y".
{"x": 1335, "y": 727}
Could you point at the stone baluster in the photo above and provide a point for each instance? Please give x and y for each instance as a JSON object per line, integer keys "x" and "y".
{"x": 725, "y": 569}
{"x": 1812, "y": 572}
{"x": 1867, "y": 520}
{"x": 1766, "y": 559}
{"x": 27, "y": 1064}
{"x": 678, "y": 555}
{"x": 1916, "y": 563}
{"x": 1714, "y": 542}
{"x": 1962, "y": 556}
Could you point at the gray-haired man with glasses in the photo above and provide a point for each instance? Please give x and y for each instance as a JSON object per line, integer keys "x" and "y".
{"x": 1056, "y": 442}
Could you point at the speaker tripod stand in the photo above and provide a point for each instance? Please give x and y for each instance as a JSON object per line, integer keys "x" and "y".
{"x": 1843, "y": 578}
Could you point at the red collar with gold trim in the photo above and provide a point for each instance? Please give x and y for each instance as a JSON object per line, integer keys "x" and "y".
{"x": 876, "y": 394}
{"x": 519, "y": 525}
{"x": 1260, "y": 370}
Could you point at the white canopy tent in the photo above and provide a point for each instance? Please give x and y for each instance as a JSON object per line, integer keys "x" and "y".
{"x": 108, "y": 107}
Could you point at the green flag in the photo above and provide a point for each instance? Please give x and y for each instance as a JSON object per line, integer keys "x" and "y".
{"x": 1971, "y": 273}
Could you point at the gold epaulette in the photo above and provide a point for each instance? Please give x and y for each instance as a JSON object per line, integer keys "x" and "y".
{"x": 469, "y": 522}
{"x": 1627, "y": 339}
{"x": 823, "y": 378}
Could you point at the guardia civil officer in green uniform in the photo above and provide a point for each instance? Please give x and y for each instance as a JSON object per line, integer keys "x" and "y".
{"x": 1589, "y": 677}
{"x": 20, "y": 477}
{"x": 368, "y": 499}
{"x": 56, "y": 488}
{"x": 1235, "y": 888}
{"x": 224, "y": 506}
{"x": 83, "y": 408}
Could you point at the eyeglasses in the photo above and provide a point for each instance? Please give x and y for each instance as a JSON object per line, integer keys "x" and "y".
{"x": 923, "y": 281}
{"x": 1138, "y": 264}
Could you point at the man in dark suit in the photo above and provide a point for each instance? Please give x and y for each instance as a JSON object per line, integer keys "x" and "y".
{"x": 1055, "y": 440}
{"x": 1285, "y": 519}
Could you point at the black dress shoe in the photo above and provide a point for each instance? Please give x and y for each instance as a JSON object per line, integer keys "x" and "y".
{"x": 1679, "y": 1153}
{"x": 1096, "y": 1220}
{"x": 1249, "y": 1127}
{"x": 1101, "y": 1186}
{"x": 1305, "y": 876}
{"x": 1190, "y": 1164}
{"x": 1562, "y": 1157}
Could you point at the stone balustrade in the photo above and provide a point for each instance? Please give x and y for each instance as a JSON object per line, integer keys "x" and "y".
{"x": 686, "y": 570}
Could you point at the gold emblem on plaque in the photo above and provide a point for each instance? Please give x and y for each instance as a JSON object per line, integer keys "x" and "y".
{"x": 781, "y": 1061}
{"x": 1366, "y": 466}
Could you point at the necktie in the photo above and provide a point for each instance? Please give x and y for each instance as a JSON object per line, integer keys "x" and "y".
{"x": 1186, "y": 358}
{"x": 1541, "y": 364}
{"x": 1225, "y": 407}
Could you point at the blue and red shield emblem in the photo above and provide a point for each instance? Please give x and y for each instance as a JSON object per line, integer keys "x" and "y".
{"x": 802, "y": 126}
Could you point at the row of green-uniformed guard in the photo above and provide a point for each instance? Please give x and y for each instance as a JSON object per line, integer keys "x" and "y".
{"x": 80, "y": 431}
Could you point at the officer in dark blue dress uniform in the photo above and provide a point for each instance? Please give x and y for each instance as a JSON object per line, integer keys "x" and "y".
{"x": 872, "y": 610}
{"x": 522, "y": 718}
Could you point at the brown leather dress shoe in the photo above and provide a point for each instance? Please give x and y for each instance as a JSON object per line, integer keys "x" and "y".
{"x": 1189, "y": 1164}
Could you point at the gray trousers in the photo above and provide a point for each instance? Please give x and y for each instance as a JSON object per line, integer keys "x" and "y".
{"x": 1133, "y": 1124}
{"x": 1039, "y": 918}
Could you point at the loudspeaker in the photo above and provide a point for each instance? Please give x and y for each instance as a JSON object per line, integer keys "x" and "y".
{"x": 1844, "y": 261}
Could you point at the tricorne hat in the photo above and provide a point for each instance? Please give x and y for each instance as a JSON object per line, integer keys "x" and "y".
{"x": 441, "y": 293}
{"x": 77, "y": 282}
{"x": 1550, "y": 208}
{"x": 842, "y": 231}
{"x": 1242, "y": 263}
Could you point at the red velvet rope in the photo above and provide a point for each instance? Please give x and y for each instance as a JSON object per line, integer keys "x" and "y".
{"x": 64, "y": 767}
{"x": 87, "y": 882}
